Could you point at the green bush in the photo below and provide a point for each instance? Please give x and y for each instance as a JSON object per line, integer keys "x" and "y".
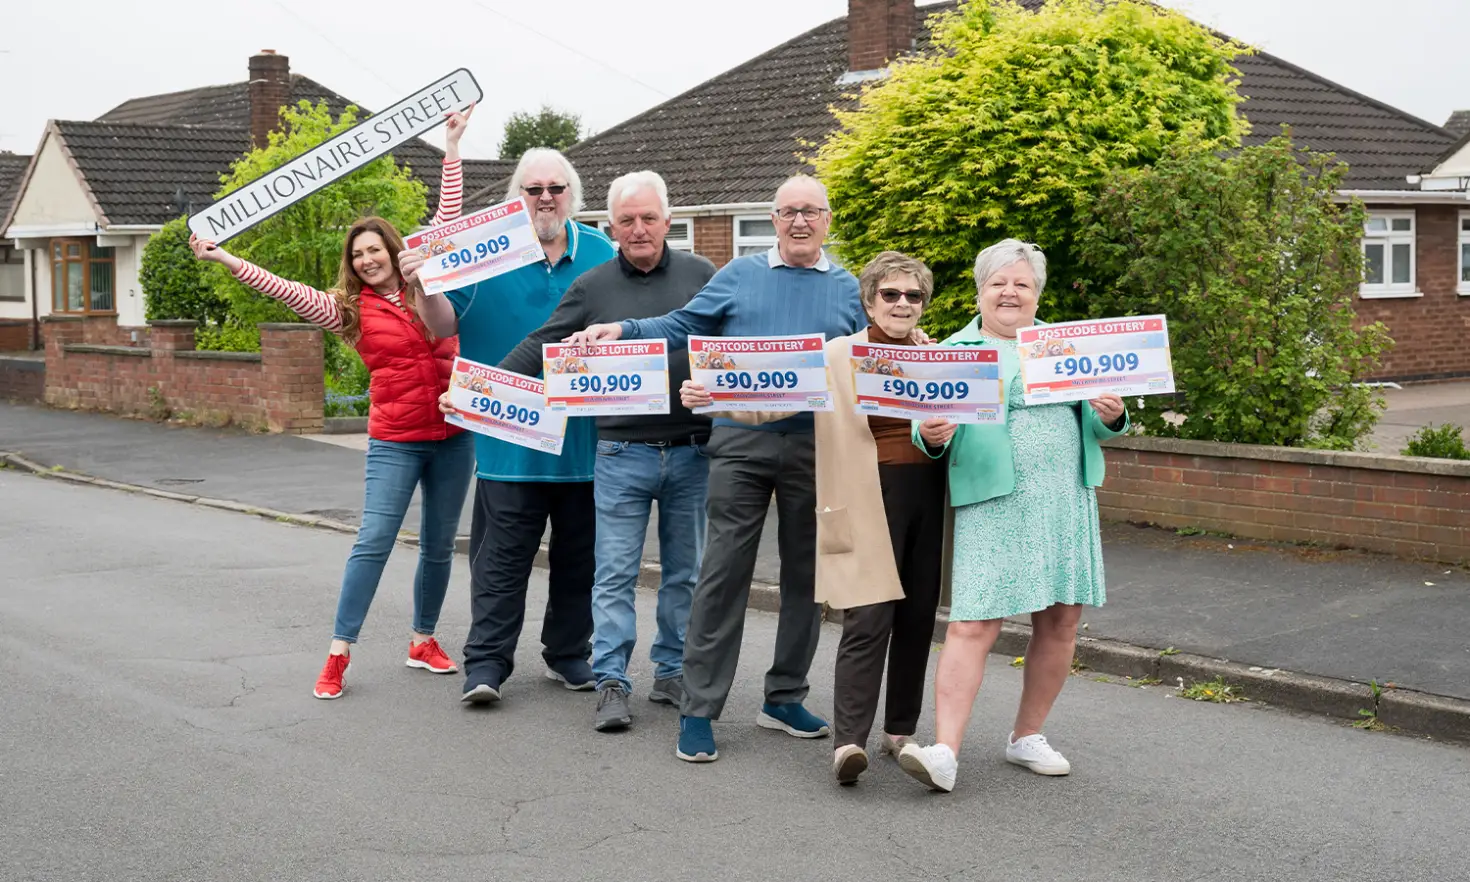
{"x": 1443, "y": 442}
{"x": 228, "y": 337}
{"x": 1008, "y": 128}
{"x": 175, "y": 284}
{"x": 1256, "y": 263}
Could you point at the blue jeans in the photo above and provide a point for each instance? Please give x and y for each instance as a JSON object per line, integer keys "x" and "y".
{"x": 394, "y": 468}
{"x": 629, "y": 477}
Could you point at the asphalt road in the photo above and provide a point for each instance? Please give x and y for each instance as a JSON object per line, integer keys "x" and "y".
{"x": 156, "y": 723}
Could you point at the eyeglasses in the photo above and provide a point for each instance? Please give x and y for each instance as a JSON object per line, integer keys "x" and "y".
{"x": 810, "y": 214}
{"x": 891, "y": 295}
{"x": 554, "y": 189}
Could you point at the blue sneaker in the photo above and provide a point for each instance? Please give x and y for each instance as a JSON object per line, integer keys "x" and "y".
{"x": 793, "y": 719}
{"x": 575, "y": 674}
{"x": 481, "y": 688}
{"x": 696, "y": 741}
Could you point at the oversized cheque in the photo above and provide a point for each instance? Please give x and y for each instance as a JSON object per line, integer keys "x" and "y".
{"x": 1075, "y": 361}
{"x": 957, "y": 383}
{"x": 503, "y": 405}
{"x": 623, "y": 377}
{"x": 478, "y": 247}
{"x": 780, "y": 374}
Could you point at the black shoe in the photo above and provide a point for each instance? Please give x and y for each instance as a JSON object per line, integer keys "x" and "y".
{"x": 574, "y": 674}
{"x": 612, "y": 708}
{"x": 669, "y": 690}
{"x": 480, "y": 689}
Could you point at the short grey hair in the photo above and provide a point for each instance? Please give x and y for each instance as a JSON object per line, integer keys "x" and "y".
{"x": 631, "y": 183}
{"x": 808, "y": 179}
{"x": 1006, "y": 252}
{"x": 538, "y": 154}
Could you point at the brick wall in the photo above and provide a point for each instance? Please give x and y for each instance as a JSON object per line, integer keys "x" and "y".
{"x": 279, "y": 389}
{"x": 1428, "y": 331}
{"x": 714, "y": 238}
{"x": 22, "y": 378}
{"x": 1398, "y": 505}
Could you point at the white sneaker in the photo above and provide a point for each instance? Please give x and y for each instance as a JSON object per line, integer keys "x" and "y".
{"x": 934, "y": 766}
{"x": 1035, "y": 754}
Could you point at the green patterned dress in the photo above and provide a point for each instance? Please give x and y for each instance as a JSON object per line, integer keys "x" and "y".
{"x": 1039, "y": 545}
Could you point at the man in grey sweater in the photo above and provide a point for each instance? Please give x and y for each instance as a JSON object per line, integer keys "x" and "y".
{"x": 640, "y": 458}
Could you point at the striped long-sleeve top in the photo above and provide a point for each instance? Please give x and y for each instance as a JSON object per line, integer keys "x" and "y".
{"x": 319, "y": 307}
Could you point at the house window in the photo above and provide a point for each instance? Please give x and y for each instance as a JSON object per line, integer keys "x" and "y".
{"x": 754, "y": 234}
{"x": 12, "y": 273}
{"x": 1388, "y": 255}
{"x": 81, "y": 277}
{"x": 1464, "y": 285}
{"x": 680, "y": 236}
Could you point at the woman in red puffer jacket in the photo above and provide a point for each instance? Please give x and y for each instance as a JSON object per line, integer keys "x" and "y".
{"x": 410, "y": 446}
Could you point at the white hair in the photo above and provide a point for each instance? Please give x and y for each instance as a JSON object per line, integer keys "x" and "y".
{"x": 537, "y": 154}
{"x": 805, "y": 179}
{"x": 1006, "y": 252}
{"x": 631, "y": 183}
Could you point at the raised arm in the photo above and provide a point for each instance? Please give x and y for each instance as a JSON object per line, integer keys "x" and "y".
{"x": 451, "y": 181}
{"x": 317, "y": 307}
{"x": 570, "y": 316}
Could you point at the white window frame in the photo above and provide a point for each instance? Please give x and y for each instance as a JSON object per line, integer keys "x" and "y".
{"x": 1388, "y": 239}
{"x": 1462, "y": 286}
{"x": 686, "y": 243}
{"x": 764, "y": 243}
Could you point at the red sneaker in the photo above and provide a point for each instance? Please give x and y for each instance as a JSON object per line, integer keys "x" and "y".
{"x": 430, "y": 656}
{"x": 329, "y": 684}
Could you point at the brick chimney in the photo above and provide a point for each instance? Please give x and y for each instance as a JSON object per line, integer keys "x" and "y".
{"x": 878, "y": 31}
{"x": 270, "y": 90}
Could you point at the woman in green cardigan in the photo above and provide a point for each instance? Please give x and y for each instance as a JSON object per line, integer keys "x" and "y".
{"x": 1025, "y": 536}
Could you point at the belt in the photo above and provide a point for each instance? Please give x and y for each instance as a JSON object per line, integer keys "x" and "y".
{"x": 684, "y": 441}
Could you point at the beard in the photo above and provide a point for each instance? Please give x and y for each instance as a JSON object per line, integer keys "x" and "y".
{"x": 548, "y": 226}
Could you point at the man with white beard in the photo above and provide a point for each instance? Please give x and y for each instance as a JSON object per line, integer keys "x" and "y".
{"x": 519, "y": 489}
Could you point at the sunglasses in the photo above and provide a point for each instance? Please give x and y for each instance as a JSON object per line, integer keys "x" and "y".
{"x": 891, "y": 295}
{"x": 554, "y": 189}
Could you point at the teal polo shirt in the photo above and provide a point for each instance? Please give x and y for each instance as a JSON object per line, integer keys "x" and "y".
{"x": 495, "y": 315}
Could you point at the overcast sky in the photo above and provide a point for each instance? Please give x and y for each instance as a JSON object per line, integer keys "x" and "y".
{"x": 604, "y": 59}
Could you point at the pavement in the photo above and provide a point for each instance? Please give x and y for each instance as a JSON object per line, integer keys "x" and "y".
{"x": 156, "y": 661}
{"x": 1350, "y": 618}
{"x": 1418, "y": 405}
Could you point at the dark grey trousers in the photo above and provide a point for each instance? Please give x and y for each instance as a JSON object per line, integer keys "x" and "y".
{"x": 900, "y": 631}
{"x": 746, "y": 467}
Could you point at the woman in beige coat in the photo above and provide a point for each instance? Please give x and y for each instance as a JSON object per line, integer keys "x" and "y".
{"x": 880, "y": 528}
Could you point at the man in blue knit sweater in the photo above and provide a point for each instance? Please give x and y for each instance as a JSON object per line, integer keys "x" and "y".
{"x": 791, "y": 289}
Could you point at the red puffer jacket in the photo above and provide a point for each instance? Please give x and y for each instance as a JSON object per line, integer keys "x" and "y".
{"x": 408, "y": 373}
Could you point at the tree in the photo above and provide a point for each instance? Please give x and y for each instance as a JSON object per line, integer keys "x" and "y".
{"x": 175, "y": 284}
{"x": 303, "y": 242}
{"x": 546, "y": 128}
{"x": 1007, "y": 128}
{"x": 1255, "y": 263}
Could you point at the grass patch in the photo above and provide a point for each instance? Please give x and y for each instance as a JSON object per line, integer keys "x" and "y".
{"x": 1216, "y": 691}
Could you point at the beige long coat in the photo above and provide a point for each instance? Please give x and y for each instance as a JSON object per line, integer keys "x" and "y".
{"x": 855, "y": 565}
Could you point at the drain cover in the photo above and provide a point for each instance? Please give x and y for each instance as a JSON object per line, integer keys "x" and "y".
{"x": 175, "y": 482}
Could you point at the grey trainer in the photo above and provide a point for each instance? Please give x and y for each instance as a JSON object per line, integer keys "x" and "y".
{"x": 669, "y": 690}
{"x": 612, "y": 708}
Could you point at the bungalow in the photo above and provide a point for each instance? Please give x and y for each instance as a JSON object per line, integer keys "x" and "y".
{"x": 88, "y": 200}
{"x": 726, "y": 144}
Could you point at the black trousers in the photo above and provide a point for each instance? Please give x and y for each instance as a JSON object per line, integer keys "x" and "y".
{"x": 900, "y": 630}
{"x": 505, "y": 533}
